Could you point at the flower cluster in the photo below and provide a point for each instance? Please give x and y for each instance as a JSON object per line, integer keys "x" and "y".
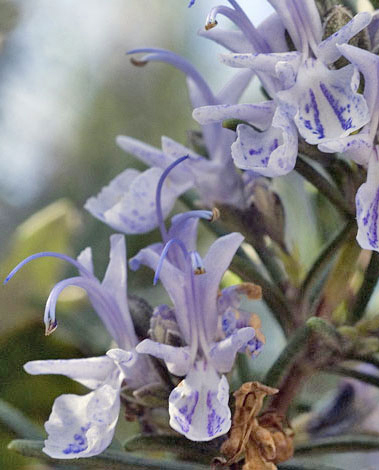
{"x": 211, "y": 328}
{"x": 321, "y": 91}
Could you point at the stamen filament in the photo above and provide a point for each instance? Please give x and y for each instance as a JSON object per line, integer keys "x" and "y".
{"x": 158, "y": 196}
{"x": 211, "y": 216}
{"x": 164, "y": 254}
{"x": 162, "y": 55}
{"x": 44, "y": 254}
{"x": 238, "y": 17}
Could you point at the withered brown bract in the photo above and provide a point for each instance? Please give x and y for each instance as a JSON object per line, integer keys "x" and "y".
{"x": 263, "y": 441}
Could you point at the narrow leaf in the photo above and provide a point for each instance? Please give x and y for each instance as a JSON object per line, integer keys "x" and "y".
{"x": 110, "y": 459}
{"x": 18, "y": 423}
{"x": 355, "y": 374}
{"x": 346, "y": 443}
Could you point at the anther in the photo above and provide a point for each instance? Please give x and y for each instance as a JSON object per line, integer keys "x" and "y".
{"x": 215, "y": 214}
{"x": 138, "y": 63}
{"x": 51, "y": 326}
{"x": 210, "y": 25}
{"x": 197, "y": 263}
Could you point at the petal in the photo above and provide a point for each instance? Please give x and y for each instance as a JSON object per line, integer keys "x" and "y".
{"x": 269, "y": 153}
{"x": 144, "y": 152}
{"x": 91, "y": 372}
{"x": 328, "y": 51}
{"x": 367, "y": 201}
{"x": 110, "y": 195}
{"x": 216, "y": 262}
{"x": 186, "y": 231}
{"x": 273, "y": 31}
{"x": 302, "y": 21}
{"x": 135, "y": 368}
{"x": 233, "y": 90}
{"x": 115, "y": 282}
{"x": 173, "y": 281}
{"x": 368, "y": 64}
{"x": 177, "y": 359}
{"x": 224, "y": 352}
{"x": 234, "y": 41}
{"x": 85, "y": 258}
{"x": 133, "y": 210}
{"x": 82, "y": 426}
{"x": 325, "y": 101}
{"x": 237, "y": 60}
{"x": 259, "y": 115}
{"x": 357, "y": 147}
{"x": 198, "y": 406}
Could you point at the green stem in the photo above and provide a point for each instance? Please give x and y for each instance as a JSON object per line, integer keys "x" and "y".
{"x": 367, "y": 288}
{"x": 355, "y": 374}
{"x": 322, "y": 184}
{"x": 296, "y": 344}
{"x": 323, "y": 260}
{"x": 270, "y": 262}
{"x": 340, "y": 444}
{"x": 271, "y": 295}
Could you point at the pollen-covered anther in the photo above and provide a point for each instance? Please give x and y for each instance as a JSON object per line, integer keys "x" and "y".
{"x": 51, "y": 326}
{"x": 252, "y": 291}
{"x": 215, "y": 214}
{"x": 197, "y": 263}
{"x": 210, "y": 25}
{"x": 138, "y": 63}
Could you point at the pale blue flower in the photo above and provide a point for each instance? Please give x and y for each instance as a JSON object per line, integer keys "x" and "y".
{"x": 128, "y": 203}
{"x": 198, "y": 406}
{"x": 83, "y": 426}
{"x": 323, "y": 104}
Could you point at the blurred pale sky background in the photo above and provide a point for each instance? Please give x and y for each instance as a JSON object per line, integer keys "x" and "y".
{"x": 61, "y": 53}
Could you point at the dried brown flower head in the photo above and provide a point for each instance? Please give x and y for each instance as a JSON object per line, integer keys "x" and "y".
{"x": 263, "y": 441}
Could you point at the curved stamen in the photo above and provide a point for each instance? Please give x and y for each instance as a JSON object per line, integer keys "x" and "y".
{"x": 158, "y": 196}
{"x": 164, "y": 254}
{"x": 211, "y": 216}
{"x": 162, "y": 55}
{"x": 103, "y": 304}
{"x": 239, "y": 18}
{"x": 44, "y": 254}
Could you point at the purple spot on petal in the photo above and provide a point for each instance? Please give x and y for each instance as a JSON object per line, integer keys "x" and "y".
{"x": 371, "y": 219}
{"x": 80, "y": 443}
{"x": 215, "y": 421}
{"x": 316, "y": 115}
{"x": 256, "y": 152}
{"x": 187, "y": 411}
{"x": 338, "y": 110}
